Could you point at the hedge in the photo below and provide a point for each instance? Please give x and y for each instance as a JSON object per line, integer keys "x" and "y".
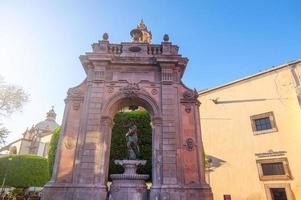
{"x": 52, "y": 148}
{"x": 118, "y": 142}
{"x": 24, "y": 171}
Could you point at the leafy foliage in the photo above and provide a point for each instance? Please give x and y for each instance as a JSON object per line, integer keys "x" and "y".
{"x": 52, "y": 148}
{"x": 118, "y": 142}
{"x": 3, "y": 134}
{"x": 24, "y": 170}
{"x": 12, "y": 98}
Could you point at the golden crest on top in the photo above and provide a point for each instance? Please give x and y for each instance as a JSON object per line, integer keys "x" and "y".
{"x": 141, "y": 34}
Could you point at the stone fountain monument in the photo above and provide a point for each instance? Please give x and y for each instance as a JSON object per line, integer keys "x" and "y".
{"x": 145, "y": 74}
{"x": 129, "y": 185}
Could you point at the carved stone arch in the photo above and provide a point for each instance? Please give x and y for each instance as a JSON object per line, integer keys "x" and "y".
{"x": 141, "y": 98}
{"x": 118, "y": 75}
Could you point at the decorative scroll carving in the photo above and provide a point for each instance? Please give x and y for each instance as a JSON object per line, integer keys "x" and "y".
{"x": 190, "y": 98}
{"x": 76, "y": 97}
{"x": 189, "y": 144}
{"x": 190, "y": 95}
{"x": 130, "y": 90}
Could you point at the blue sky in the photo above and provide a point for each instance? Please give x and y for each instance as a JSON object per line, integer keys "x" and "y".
{"x": 40, "y": 42}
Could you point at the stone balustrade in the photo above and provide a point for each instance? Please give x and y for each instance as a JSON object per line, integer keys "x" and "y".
{"x": 151, "y": 49}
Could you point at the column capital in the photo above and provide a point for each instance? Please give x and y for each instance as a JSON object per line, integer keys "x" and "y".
{"x": 106, "y": 120}
{"x": 156, "y": 120}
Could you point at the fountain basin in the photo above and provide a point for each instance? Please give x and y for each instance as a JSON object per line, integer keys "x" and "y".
{"x": 129, "y": 185}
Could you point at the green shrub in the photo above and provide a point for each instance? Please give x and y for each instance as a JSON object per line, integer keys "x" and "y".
{"x": 118, "y": 142}
{"x": 24, "y": 170}
{"x": 52, "y": 148}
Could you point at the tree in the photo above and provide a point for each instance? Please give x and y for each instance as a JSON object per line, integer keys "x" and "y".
{"x": 3, "y": 134}
{"x": 24, "y": 171}
{"x": 52, "y": 148}
{"x": 12, "y": 99}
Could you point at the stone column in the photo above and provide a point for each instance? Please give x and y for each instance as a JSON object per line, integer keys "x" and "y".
{"x": 156, "y": 157}
{"x": 104, "y": 148}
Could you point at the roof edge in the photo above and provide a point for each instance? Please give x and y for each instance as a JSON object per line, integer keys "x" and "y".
{"x": 249, "y": 77}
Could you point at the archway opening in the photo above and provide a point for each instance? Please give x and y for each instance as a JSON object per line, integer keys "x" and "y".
{"x": 118, "y": 151}
{"x": 148, "y": 120}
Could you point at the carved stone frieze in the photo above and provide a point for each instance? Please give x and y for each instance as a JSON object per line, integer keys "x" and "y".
{"x": 131, "y": 89}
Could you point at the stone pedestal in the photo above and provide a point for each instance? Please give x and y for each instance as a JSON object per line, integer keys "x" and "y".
{"x": 129, "y": 185}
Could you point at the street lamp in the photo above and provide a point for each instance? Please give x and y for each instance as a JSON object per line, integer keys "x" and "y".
{"x": 6, "y": 170}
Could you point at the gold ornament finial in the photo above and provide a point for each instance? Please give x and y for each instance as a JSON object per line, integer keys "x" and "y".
{"x": 141, "y": 34}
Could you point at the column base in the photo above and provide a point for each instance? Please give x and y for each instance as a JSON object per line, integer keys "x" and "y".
{"x": 74, "y": 192}
{"x": 174, "y": 192}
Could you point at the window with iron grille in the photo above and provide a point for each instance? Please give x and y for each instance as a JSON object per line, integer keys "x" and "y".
{"x": 273, "y": 169}
{"x": 263, "y": 123}
{"x": 270, "y": 169}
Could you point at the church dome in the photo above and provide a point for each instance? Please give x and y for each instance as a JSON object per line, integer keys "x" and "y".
{"x": 49, "y": 124}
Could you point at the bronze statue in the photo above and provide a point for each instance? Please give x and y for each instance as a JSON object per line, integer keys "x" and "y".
{"x": 132, "y": 142}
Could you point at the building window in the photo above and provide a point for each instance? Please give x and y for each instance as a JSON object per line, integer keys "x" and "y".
{"x": 263, "y": 123}
{"x": 273, "y": 169}
{"x": 278, "y": 191}
{"x": 270, "y": 169}
{"x": 227, "y": 197}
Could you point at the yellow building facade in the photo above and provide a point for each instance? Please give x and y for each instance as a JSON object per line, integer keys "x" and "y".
{"x": 251, "y": 132}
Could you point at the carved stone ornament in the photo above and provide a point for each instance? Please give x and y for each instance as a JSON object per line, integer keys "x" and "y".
{"x": 190, "y": 98}
{"x": 191, "y": 95}
{"x": 76, "y": 97}
{"x": 110, "y": 90}
{"x": 187, "y": 108}
{"x": 69, "y": 143}
{"x": 154, "y": 91}
{"x": 189, "y": 144}
{"x": 130, "y": 90}
{"x": 105, "y": 36}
